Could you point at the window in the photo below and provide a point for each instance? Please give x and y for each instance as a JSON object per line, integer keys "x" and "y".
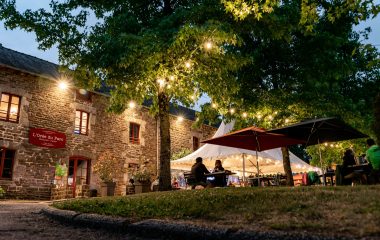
{"x": 195, "y": 143}
{"x": 134, "y": 133}
{"x": 6, "y": 163}
{"x": 9, "y": 107}
{"x": 81, "y": 122}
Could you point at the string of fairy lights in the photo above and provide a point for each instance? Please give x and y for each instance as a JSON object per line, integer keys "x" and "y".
{"x": 166, "y": 82}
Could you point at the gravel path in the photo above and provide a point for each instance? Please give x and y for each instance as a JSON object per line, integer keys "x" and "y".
{"x": 23, "y": 220}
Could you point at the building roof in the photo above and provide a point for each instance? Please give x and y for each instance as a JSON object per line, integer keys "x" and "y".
{"x": 26, "y": 63}
{"x": 33, "y": 65}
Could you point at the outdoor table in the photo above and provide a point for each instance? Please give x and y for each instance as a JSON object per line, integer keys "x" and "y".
{"x": 220, "y": 174}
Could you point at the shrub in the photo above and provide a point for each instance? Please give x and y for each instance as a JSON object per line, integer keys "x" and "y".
{"x": 2, "y": 192}
{"x": 181, "y": 153}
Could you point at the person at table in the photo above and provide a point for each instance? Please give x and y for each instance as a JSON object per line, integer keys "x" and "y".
{"x": 198, "y": 170}
{"x": 220, "y": 181}
{"x": 348, "y": 160}
{"x": 373, "y": 157}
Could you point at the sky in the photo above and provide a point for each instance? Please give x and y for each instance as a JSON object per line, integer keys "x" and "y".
{"x": 25, "y": 42}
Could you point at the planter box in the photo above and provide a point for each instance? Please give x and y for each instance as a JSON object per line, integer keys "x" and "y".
{"x": 142, "y": 187}
{"x": 107, "y": 189}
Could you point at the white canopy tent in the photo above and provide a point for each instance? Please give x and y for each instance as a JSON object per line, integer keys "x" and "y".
{"x": 239, "y": 160}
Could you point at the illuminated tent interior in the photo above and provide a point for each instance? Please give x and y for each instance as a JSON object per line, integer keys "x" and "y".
{"x": 239, "y": 160}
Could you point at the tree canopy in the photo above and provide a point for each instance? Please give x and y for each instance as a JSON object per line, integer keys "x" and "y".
{"x": 266, "y": 63}
{"x": 165, "y": 51}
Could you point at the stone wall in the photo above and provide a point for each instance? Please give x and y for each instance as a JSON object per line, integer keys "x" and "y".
{"x": 44, "y": 105}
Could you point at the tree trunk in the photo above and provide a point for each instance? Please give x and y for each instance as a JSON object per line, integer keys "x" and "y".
{"x": 164, "y": 173}
{"x": 287, "y": 168}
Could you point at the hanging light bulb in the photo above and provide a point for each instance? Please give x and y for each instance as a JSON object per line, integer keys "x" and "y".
{"x": 232, "y": 110}
{"x": 188, "y": 64}
{"x": 180, "y": 119}
{"x": 208, "y": 45}
{"x": 171, "y": 78}
{"x": 161, "y": 82}
{"x": 132, "y": 104}
{"x": 214, "y": 105}
{"x": 245, "y": 114}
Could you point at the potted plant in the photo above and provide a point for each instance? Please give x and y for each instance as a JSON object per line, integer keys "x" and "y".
{"x": 142, "y": 176}
{"x": 107, "y": 167}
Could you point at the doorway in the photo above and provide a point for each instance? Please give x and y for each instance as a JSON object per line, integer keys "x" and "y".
{"x": 78, "y": 172}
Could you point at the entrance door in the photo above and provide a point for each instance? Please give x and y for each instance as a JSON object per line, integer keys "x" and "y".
{"x": 79, "y": 173}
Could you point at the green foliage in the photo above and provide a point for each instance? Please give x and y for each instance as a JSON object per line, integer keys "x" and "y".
{"x": 2, "y": 192}
{"x": 332, "y": 153}
{"x": 376, "y": 124}
{"x": 181, "y": 153}
{"x": 165, "y": 51}
{"x": 310, "y": 13}
{"x": 251, "y": 208}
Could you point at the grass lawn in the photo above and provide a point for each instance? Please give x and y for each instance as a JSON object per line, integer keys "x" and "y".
{"x": 338, "y": 211}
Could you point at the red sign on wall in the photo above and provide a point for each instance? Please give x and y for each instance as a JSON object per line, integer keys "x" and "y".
{"x": 47, "y": 138}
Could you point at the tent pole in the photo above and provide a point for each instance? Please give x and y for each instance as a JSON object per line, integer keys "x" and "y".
{"x": 258, "y": 171}
{"x": 320, "y": 160}
{"x": 243, "y": 167}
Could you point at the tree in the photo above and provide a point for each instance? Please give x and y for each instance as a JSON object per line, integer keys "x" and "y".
{"x": 162, "y": 50}
{"x": 300, "y": 69}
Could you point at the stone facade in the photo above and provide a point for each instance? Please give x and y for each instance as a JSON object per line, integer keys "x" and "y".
{"x": 45, "y": 106}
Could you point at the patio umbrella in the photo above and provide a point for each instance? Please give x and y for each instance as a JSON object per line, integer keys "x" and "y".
{"x": 320, "y": 130}
{"x": 256, "y": 139}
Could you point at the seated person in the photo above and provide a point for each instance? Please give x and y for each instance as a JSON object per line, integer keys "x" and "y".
{"x": 373, "y": 157}
{"x": 220, "y": 181}
{"x": 198, "y": 170}
{"x": 348, "y": 160}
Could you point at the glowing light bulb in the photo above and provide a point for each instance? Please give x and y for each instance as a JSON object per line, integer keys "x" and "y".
{"x": 161, "y": 82}
{"x": 287, "y": 120}
{"x": 208, "y": 45}
{"x": 245, "y": 115}
{"x": 62, "y": 85}
{"x": 232, "y": 110}
{"x": 132, "y": 104}
{"x": 171, "y": 78}
{"x": 188, "y": 64}
{"x": 326, "y": 144}
{"x": 214, "y": 105}
{"x": 180, "y": 119}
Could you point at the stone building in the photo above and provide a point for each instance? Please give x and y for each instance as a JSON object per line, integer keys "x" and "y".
{"x": 42, "y": 126}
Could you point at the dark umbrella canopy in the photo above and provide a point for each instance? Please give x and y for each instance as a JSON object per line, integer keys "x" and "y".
{"x": 253, "y": 138}
{"x": 320, "y": 131}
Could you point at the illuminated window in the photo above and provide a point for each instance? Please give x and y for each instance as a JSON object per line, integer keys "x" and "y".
{"x": 9, "y": 107}
{"x": 195, "y": 143}
{"x": 6, "y": 163}
{"x": 81, "y": 122}
{"x": 134, "y": 133}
